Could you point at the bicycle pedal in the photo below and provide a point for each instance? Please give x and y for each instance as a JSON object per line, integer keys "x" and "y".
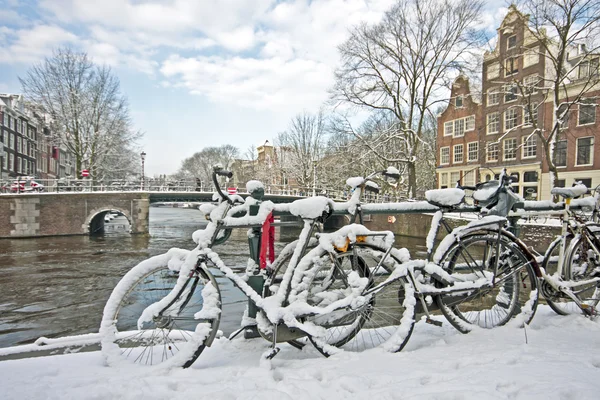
{"x": 433, "y": 322}
{"x": 271, "y": 354}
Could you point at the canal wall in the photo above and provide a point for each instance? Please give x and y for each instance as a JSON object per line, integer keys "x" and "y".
{"x": 412, "y": 229}
{"x": 55, "y": 214}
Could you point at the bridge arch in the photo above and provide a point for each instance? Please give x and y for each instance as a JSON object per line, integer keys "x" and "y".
{"x": 94, "y": 223}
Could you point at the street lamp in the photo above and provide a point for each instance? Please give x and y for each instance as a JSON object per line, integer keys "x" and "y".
{"x": 314, "y": 178}
{"x": 143, "y": 157}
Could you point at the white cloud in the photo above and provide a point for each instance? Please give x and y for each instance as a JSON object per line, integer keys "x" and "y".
{"x": 32, "y": 44}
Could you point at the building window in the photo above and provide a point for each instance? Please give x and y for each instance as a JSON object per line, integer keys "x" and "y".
{"x": 510, "y": 92}
{"x": 458, "y": 153}
{"x": 493, "y": 70}
{"x": 587, "y": 112}
{"x": 6, "y": 123}
{"x": 445, "y": 155}
{"x": 585, "y": 150}
{"x": 493, "y": 97}
{"x": 443, "y": 180}
{"x": 470, "y": 123}
{"x": 24, "y": 166}
{"x": 12, "y": 141}
{"x": 5, "y": 162}
{"x": 454, "y": 178}
{"x": 469, "y": 178}
{"x": 510, "y": 119}
{"x": 19, "y": 148}
{"x": 511, "y": 42}
{"x": 588, "y": 68}
{"x": 459, "y": 127}
{"x": 510, "y": 149}
{"x": 18, "y": 126}
{"x": 458, "y": 102}
{"x": 11, "y": 162}
{"x": 560, "y": 153}
{"x": 530, "y": 84}
{"x": 448, "y": 128}
{"x": 530, "y": 176}
{"x": 531, "y": 57}
{"x": 527, "y": 119}
{"x": 472, "y": 151}
{"x": 492, "y": 152}
{"x": 493, "y": 122}
{"x": 511, "y": 66}
{"x": 563, "y": 109}
{"x": 529, "y": 147}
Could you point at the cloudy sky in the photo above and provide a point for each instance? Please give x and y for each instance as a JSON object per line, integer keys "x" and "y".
{"x": 197, "y": 72}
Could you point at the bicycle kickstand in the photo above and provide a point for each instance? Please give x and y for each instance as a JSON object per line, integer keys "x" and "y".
{"x": 274, "y": 349}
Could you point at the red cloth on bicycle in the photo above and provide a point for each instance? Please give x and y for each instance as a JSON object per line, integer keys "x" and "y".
{"x": 267, "y": 242}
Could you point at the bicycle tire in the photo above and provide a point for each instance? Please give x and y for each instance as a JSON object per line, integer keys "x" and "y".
{"x": 385, "y": 320}
{"x": 516, "y": 294}
{"x": 580, "y": 264}
{"x": 177, "y": 339}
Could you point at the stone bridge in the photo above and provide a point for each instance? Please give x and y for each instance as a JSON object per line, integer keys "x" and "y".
{"x": 79, "y": 213}
{"x": 52, "y": 214}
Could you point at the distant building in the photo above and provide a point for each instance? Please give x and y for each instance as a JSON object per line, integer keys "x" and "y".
{"x": 477, "y": 138}
{"x": 19, "y": 134}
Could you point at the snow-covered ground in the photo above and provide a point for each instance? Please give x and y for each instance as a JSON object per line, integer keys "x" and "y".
{"x": 560, "y": 361}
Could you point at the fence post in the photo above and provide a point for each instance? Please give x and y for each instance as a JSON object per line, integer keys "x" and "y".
{"x": 256, "y": 281}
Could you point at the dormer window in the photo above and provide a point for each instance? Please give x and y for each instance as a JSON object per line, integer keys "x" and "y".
{"x": 511, "y": 66}
{"x": 511, "y": 43}
{"x": 458, "y": 102}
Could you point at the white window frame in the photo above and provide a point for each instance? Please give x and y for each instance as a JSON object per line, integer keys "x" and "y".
{"x": 527, "y": 121}
{"x": 470, "y": 151}
{"x": 443, "y": 179}
{"x": 515, "y": 64}
{"x": 514, "y": 117}
{"x": 508, "y": 89}
{"x": 488, "y": 124}
{"x": 11, "y": 159}
{"x": 493, "y": 94}
{"x": 566, "y": 152}
{"x": 442, "y": 155}
{"x": 505, "y": 150}
{"x": 593, "y": 105}
{"x": 455, "y": 153}
{"x": 508, "y": 47}
{"x": 495, "y": 151}
{"x": 459, "y": 126}
{"x": 470, "y": 123}
{"x": 449, "y": 132}
{"x": 454, "y": 177}
{"x": 591, "y": 161}
{"x": 529, "y": 146}
{"x": 462, "y": 101}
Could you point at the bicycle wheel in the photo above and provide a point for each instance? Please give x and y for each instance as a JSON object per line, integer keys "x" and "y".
{"x": 515, "y": 285}
{"x": 581, "y": 263}
{"x": 174, "y": 338}
{"x": 387, "y": 317}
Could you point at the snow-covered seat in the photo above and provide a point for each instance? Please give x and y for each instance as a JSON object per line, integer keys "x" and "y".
{"x": 311, "y": 207}
{"x": 445, "y": 197}
{"x": 571, "y": 192}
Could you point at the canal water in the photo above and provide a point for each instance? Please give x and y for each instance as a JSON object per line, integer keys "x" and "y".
{"x": 57, "y": 286}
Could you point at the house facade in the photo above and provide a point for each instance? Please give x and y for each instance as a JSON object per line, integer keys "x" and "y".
{"x": 512, "y": 107}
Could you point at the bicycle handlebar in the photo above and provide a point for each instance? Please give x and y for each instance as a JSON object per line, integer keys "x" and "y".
{"x": 218, "y": 171}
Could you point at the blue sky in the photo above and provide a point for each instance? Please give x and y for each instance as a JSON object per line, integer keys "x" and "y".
{"x": 197, "y": 73}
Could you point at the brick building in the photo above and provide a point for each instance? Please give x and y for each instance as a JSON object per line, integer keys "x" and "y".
{"x": 477, "y": 139}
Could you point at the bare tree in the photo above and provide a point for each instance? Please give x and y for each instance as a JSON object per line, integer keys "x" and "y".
{"x": 201, "y": 164}
{"x": 403, "y": 65}
{"x": 567, "y": 34}
{"x": 84, "y": 108}
{"x": 301, "y": 146}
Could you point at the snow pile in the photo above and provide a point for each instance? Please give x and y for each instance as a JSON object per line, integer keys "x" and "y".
{"x": 570, "y": 192}
{"x": 557, "y": 362}
{"x": 252, "y": 186}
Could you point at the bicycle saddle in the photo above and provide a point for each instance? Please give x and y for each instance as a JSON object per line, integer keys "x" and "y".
{"x": 445, "y": 197}
{"x": 569, "y": 193}
{"x": 312, "y": 207}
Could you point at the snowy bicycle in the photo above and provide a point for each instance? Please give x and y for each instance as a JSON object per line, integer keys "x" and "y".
{"x": 349, "y": 290}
